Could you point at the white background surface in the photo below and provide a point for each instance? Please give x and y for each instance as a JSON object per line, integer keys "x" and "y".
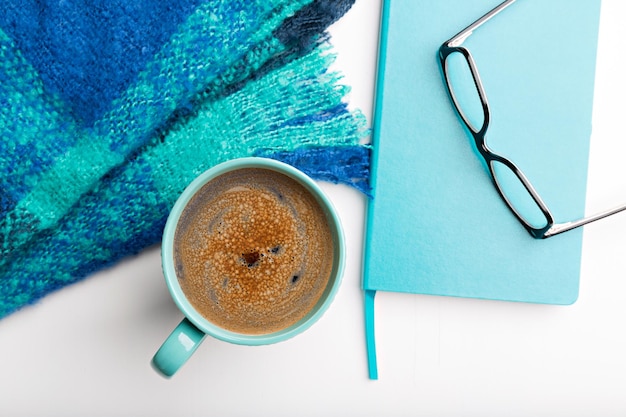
{"x": 86, "y": 349}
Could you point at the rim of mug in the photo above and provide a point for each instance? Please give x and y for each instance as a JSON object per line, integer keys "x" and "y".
{"x": 169, "y": 270}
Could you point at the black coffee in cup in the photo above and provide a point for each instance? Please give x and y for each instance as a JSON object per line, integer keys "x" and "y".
{"x": 253, "y": 251}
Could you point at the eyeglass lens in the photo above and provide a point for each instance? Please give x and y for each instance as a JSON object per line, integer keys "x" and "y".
{"x": 518, "y": 198}
{"x": 464, "y": 91}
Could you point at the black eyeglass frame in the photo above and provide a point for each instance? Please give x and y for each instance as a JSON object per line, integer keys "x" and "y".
{"x": 454, "y": 46}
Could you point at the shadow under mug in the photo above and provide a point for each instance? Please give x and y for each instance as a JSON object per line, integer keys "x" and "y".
{"x": 186, "y": 337}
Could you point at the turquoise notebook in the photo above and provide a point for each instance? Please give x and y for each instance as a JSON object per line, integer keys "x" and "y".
{"x": 436, "y": 224}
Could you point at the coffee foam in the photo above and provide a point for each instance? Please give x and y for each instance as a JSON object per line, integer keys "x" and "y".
{"x": 253, "y": 251}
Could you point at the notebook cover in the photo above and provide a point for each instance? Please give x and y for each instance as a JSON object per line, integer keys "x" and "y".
{"x": 436, "y": 224}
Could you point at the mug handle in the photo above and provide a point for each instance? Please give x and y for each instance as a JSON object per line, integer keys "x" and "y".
{"x": 177, "y": 348}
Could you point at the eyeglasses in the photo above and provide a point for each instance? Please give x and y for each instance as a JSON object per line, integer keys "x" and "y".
{"x": 510, "y": 182}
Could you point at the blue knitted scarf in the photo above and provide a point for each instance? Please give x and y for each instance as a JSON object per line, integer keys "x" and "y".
{"x": 110, "y": 108}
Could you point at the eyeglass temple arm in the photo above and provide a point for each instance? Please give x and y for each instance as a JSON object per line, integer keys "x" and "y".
{"x": 460, "y": 37}
{"x": 564, "y": 227}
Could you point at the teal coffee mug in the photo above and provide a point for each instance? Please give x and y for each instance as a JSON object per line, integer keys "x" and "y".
{"x": 253, "y": 254}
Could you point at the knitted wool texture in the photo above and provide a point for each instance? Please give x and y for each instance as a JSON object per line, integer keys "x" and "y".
{"x": 89, "y": 178}
{"x": 218, "y": 44}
